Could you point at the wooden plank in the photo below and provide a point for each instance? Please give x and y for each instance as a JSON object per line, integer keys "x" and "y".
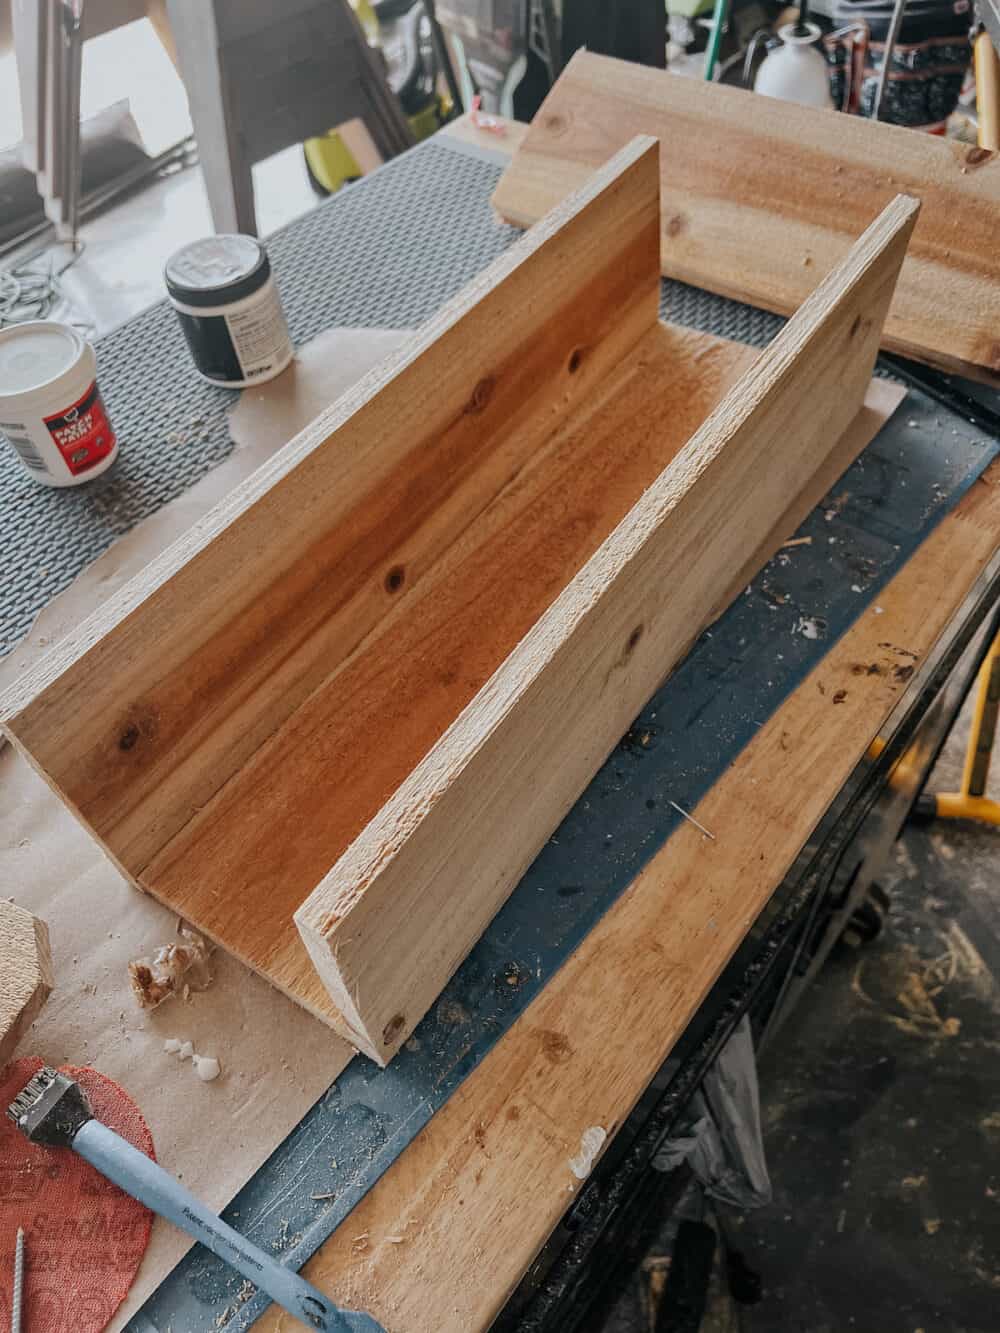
{"x": 484, "y": 1184}
{"x": 355, "y": 136}
{"x": 506, "y": 139}
{"x": 762, "y": 197}
{"x": 262, "y": 419}
{"x": 402, "y": 907}
{"x": 242, "y": 650}
{"x": 25, "y": 974}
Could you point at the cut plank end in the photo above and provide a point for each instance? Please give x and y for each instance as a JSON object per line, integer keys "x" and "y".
{"x": 25, "y": 974}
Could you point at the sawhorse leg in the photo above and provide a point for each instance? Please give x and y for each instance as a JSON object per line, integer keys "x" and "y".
{"x": 971, "y": 801}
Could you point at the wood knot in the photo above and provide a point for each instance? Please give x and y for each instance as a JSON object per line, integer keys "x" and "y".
{"x": 392, "y": 1029}
{"x": 556, "y": 1047}
{"x": 633, "y": 640}
{"x": 676, "y": 224}
{"x": 129, "y": 737}
{"x": 555, "y": 123}
{"x": 576, "y": 359}
{"x": 975, "y": 157}
{"x": 860, "y": 326}
{"x": 395, "y": 578}
{"x": 141, "y": 723}
{"x": 481, "y": 396}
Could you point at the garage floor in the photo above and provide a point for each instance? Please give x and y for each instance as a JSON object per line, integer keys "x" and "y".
{"x": 881, "y": 1111}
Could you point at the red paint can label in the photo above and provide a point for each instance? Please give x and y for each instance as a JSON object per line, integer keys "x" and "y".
{"x": 82, "y": 432}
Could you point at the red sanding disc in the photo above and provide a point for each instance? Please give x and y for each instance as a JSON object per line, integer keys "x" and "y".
{"x": 84, "y": 1237}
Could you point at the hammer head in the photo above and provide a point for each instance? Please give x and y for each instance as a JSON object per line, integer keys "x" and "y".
{"x": 51, "y": 1109}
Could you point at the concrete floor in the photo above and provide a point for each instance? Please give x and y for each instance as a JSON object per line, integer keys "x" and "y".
{"x": 120, "y": 270}
{"x": 881, "y": 1112}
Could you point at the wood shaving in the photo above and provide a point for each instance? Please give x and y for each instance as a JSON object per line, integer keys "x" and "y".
{"x": 174, "y": 967}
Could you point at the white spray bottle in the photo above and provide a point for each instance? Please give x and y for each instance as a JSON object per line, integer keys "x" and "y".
{"x": 795, "y": 71}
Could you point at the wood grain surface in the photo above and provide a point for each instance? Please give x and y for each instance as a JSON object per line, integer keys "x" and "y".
{"x": 483, "y": 1185}
{"x": 762, "y": 197}
{"x": 230, "y": 722}
{"x": 234, "y": 716}
{"x": 410, "y": 896}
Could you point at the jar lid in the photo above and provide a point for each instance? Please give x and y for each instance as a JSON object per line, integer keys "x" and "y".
{"x": 35, "y": 354}
{"x": 217, "y": 269}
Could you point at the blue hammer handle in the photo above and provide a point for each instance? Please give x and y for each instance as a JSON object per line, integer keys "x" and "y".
{"x": 140, "y": 1177}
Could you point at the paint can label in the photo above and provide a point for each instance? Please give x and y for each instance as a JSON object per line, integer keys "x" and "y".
{"x": 82, "y": 432}
{"x": 260, "y": 335}
{"x": 243, "y": 343}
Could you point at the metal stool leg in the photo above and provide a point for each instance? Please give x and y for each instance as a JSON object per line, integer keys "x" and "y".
{"x": 987, "y": 92}
{"x": 971, "y": 802}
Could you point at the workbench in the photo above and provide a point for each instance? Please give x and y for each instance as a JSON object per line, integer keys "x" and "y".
{"x": 798, "y": 731}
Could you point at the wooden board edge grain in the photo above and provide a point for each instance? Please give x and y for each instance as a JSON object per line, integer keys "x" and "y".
{"x": 486, "y": 1181}
{"x": 25, "y": 974}
{"x": 408, "y": 899}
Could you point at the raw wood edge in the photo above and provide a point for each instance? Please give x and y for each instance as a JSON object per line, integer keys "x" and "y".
{"x": 34, "y": 933}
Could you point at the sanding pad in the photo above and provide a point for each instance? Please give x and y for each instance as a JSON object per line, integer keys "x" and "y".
{"x": 84, "y": 1237}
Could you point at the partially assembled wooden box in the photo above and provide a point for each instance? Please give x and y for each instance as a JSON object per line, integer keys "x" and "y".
{"x": 333, "y": 725}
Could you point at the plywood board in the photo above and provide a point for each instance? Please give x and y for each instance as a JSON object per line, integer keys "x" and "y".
{"x": 762, "y": 197}
{"x": 408, "y": 899}
{"x": 484, "y": 1184}
{"x": 267, "y": 416}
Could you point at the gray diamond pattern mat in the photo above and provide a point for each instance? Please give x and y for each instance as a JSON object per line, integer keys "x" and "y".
{"x": 386, "y": 252}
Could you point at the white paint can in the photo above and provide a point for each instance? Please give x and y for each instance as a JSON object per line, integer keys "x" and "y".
{"x": 51, "y": 410}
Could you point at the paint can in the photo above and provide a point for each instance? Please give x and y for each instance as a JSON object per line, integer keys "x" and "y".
{"x": 51, "y": 410}
{"x": 229, "y": 308}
